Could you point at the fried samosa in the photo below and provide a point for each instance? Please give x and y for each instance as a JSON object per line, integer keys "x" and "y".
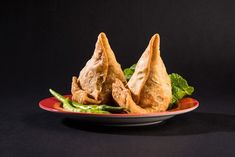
{"x": 94, "y": 84}
{"x": 123, "y": 98}
{"x": 150, "y": 84}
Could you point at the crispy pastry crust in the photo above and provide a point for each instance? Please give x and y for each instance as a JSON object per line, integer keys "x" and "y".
{"x": 150, "y": 84}
{"x": 94, "y": 85}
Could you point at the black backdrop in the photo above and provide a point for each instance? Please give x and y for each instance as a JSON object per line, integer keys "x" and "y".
{"x": 44, "y": 43}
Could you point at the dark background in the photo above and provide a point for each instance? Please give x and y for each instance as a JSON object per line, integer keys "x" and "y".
{"x": 43, "y": 44}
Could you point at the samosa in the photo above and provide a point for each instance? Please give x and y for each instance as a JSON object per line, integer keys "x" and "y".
{"x": 150, "y": 85}
{"x": 94, "y": 84}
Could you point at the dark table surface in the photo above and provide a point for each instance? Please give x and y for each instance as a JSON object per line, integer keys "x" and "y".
{"x": 26, "y": 130}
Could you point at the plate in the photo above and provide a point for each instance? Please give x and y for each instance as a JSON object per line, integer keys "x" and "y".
{"x": 185, "y": 105}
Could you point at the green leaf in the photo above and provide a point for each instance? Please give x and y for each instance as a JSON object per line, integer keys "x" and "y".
{"x": 128, "y": 72}
{"x": 180, "y": 87}
{"x": 133, "y": 67}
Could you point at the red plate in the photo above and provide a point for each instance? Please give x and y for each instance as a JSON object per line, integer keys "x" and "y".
{"x": 185, "y": 105}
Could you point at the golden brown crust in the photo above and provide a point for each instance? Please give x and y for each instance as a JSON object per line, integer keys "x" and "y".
{"x": 123, "y": 98}
{"x": 80, "y": 95}
{"x": 96, "y": 78}
{"x": 150, "y": 83}
{"x": 102, "y": 79}
{"x": 140, "y": 76}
